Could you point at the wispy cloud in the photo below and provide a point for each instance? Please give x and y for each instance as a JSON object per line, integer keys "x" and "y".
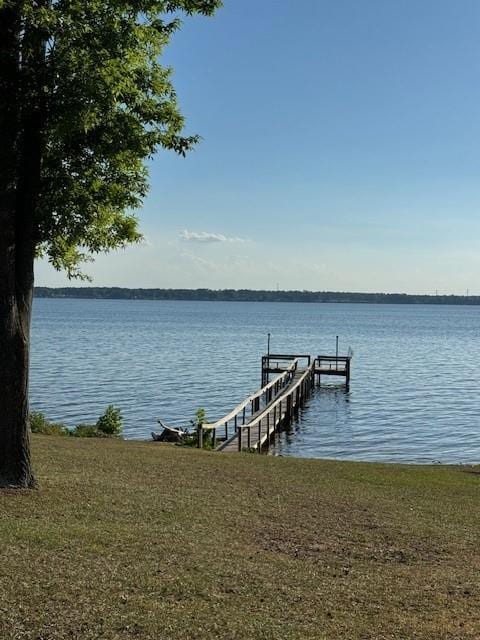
{"x": 198, "y": 261}
{"x": 204, "y": 237}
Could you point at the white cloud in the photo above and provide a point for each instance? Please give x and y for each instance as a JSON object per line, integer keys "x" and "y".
{"x": 205, "y": 237}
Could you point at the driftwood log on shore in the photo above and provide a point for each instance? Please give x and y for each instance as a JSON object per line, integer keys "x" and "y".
{"x": 169, "y": 434}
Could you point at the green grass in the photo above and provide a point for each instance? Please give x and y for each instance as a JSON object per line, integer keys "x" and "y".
{"x": 132, "y": 540}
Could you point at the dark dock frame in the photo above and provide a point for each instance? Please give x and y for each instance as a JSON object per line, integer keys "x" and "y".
{"x": 253, "y": 423}
{"x": 333, "y": 366}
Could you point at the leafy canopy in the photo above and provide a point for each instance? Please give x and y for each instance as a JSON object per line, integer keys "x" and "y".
{"x": 109, "y": 105}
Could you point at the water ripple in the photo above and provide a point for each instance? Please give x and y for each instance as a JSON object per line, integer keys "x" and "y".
{"x": 414, "y": 393}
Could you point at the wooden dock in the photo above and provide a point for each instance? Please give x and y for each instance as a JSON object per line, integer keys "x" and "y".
{"x": 252, "y": 424}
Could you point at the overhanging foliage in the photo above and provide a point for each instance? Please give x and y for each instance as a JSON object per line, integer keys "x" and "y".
{"x": 104, "y": 104}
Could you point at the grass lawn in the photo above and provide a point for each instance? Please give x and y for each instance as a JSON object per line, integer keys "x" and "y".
{"x": 139, "y": 540}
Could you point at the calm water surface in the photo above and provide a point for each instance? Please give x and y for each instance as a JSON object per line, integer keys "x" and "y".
{"x": 414, "y": 395}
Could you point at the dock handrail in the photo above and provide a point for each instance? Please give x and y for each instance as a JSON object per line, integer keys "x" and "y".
{"x": 286, "y": 399}
{"x": 341, "y": 364}
{"x": 288, "y": 356}
{"x": 334, "y": 366}
{"x": 254, "y": 400}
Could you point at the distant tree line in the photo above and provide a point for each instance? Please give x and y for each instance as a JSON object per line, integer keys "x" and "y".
{"x": 249, "y": 295}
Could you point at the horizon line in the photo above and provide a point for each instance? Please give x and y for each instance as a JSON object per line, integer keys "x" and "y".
{"x": 247, "y": 289}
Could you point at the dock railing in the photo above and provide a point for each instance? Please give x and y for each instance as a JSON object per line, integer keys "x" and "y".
{"x": 261, "y": 429}
{"x": 334, "y": 366}
{"x": 286, "y": 356}
{"x": 237, "y": 418}
{"x": 332, "y": 363}
{"x": 274, "y": 363}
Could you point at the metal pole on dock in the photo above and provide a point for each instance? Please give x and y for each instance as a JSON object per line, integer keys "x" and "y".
{"x": 265, "y": 373}
{"x": 336, "y": 354}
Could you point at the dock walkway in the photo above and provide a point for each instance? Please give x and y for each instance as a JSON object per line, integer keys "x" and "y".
{"x": 253, "y": 423}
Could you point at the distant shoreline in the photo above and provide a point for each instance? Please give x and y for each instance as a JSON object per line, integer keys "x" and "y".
{"x": 249, "y": 295}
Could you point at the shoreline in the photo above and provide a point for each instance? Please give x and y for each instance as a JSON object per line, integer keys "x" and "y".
{"x": 271, "y": 454}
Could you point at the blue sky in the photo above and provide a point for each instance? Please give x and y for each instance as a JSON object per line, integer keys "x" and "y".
{"x": 341, "y": 151}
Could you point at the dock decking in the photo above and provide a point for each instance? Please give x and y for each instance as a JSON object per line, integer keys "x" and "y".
{"x": 252, "y": 424}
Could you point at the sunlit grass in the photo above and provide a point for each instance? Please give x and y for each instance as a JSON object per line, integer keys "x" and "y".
{"x": 128, "y": 539}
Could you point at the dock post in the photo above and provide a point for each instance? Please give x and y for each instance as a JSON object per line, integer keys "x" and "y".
{"x": 199, "y": 437}
{"x": 347, "y": 372}
{"x": 266, "y": 373}
{"x": 240, "y": 439}
{"x": 259, "y": 447}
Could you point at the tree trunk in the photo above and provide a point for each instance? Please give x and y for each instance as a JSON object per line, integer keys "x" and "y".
{"x": 15, "y": 311}
{"x": 15, "y": 290}
{"x": 22, "y": 119}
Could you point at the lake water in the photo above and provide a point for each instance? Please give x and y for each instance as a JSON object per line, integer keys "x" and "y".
{"x": 414, "y": 394}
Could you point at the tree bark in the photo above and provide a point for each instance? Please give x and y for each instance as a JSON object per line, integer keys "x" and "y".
{"x": 16, "y": 277}
{"x": 22, "y": 119}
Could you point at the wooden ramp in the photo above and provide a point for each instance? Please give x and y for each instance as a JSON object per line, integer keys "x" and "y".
{"x": 259, "y": 430}
{"x": 252, "y": 424}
